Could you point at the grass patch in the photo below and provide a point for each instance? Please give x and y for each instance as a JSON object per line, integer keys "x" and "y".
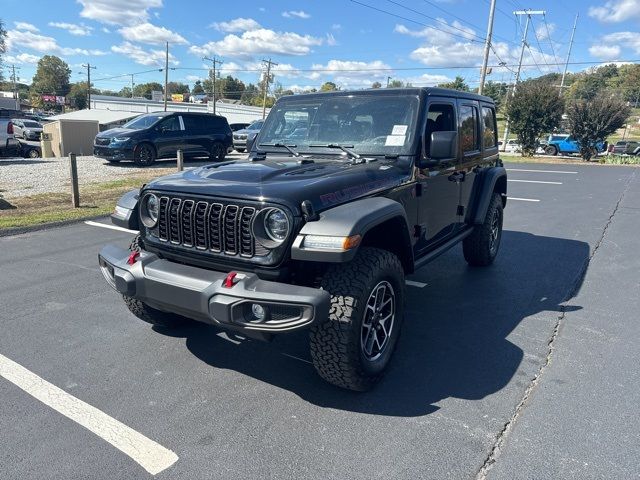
{"x": 620, "y": 160}
{"x": 95, "y": 200}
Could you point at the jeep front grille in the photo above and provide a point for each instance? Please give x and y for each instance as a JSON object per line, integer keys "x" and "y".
{"x": 213, "y": 226}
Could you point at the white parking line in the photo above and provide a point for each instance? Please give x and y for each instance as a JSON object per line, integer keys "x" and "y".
{"x": 523, "y": 199}
{"x": 154, "y": 458}
{"x": 535, "y": 181}
{"x": 411, "y": 283}
{"x": 110, "y": 227}
{"x": 540, "y": 171}
{"x": 297, "y": 358}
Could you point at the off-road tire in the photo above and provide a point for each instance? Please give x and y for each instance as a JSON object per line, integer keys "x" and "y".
{"x": 335, "y": 343}
{"x": 144, "y": 155}
{"x": 151, "y": 315}
{"x": 551, "y": 150}
{"x": 481, "y": 247}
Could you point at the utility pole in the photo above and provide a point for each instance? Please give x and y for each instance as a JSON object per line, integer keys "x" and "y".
{"x": 528, "y": 13}
{"x": 132, "y": 85}
{"x": 14, "y": 79}
{"x": 166, "y": 76}
{"x": 487, "y": 46}
{"x": 89, "y": 68}
{"x": 566, "y": 64}
{"x": 214, "y": 61}
{"x": 267, "y": 79}
{"x": 388, "y": 80}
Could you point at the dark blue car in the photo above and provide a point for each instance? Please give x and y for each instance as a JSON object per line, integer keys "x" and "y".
{"x": 162, "y": 134}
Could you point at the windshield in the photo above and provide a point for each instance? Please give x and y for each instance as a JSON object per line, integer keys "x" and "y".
{"x": 143, "y": 121}
{"x": 32, "y": 125}
{"x": 255, "y": 126}
{"x": 368, "y": 124}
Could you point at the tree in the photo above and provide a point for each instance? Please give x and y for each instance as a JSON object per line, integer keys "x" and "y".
{"x": 177, "y": 87}
{"x": 592, "y": 121}
{"x": 3, "y": 45}
{"x": 125, "y": 92}
{"x": 52, "y": 78}
{"x": 78, "y": 95}
{"x": 250, "y": 94}
{"x": 497, "y": 91}
{"x": 376, "y": 85}
{"x": 145, "y": 89}
{"x": 328, "y": 87}
{"x": 535, "y": 108}
{"x": 197, "y": 88}
{"x": 231, "y": 87}
{"x": 457, "y": 84}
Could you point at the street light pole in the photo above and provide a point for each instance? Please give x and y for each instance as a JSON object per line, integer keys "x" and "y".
{"x": 89, "y": 68}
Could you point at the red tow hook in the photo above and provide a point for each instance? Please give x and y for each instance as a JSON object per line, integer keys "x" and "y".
{"x": 133, "y": 257}
{"x": 230, "y": 280}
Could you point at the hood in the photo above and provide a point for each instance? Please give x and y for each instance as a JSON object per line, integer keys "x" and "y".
{"x": 285, "y": 181}
{"x": 246, "y": 131}
{"x": 117, "y": 132}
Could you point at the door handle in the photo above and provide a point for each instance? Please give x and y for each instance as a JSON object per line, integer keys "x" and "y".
{"x": 457, "y": 177}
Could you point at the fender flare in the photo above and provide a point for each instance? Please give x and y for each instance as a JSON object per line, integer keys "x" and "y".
{"x": 353, "y": 218}
{"x": 125, "y": 214}
{"x": 492, "y": 179}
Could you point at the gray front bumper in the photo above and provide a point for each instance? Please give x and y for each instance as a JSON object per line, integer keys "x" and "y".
{"x": 200, "y": 294}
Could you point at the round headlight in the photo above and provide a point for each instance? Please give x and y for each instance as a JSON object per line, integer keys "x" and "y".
{"x": 276, "y": 225}
{"x": 150, "y": 210}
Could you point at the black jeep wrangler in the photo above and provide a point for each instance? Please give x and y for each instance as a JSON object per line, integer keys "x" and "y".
{"x": 343, "y": 194}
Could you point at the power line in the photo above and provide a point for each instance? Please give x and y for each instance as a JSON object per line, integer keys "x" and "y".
{"x": 214, "y": 61}
{"x": 267, "y": 79}
{"x": 535, "y": 34}
{"x": 553, "y": 50}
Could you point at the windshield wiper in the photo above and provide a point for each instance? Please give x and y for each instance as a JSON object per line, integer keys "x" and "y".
{"x": 290, "y": 148}
{"x": 345, "y": 149}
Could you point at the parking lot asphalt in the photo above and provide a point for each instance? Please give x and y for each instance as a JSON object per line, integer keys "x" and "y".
{"x": 526, "y": 369}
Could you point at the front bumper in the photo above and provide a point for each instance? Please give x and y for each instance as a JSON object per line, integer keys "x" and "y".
{"x": 201, "y": 294}
{"x": 113, "y": 153}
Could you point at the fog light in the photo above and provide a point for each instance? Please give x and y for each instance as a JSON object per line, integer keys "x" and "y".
{"x": 258, "y": 311}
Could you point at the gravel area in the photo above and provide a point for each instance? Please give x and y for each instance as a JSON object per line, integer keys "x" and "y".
{"x": 21, "y": 177}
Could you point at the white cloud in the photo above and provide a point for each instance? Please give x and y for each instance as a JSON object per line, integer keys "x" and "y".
{"x": 426, "y": 80}
{"x": 26, "y": 26}
{"x": 105, "y": 30}
{"x": 336, "y": 26}
{"x": 615, "y": 11}
{"x": 626, "y": 39}
{"x": 118, "y": 12}
{"x": 17, "y": 39}
{"x": 22, "y": 58}
{"x": 604, "y": 52}
{"x": 143, "y": 57}
{"x": 151, "y": 34}
{"x": 296, "y": 13}
{"x": 236, "y": 25}
{"x": 73, "y": 28}
{"x": 351, "y": 73}
{"x": 331, "y": 40}
{"x": 193, "y": 78}
{"x": 258, "y": 42}
{"x": 543, "y": 34}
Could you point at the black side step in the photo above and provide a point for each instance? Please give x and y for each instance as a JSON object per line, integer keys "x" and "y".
{"x": 436, "y": 252}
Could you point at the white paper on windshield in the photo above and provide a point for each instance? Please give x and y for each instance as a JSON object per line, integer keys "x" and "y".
{"x": 394, "y": 141}
{"x": 399, "y": 130}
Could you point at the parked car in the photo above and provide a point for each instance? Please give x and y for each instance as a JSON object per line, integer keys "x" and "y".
{"x": 30, "y": 150}
{"x": 9, "y": 146}
{"x": 27, "y": 129}
{"x": 242, "y": 139}
{"x": 238, "y": 126}
{"x": 319, "y": 230}
{"x": 512, "y": 146}
{"x": 626, "y": 147}
{"x": 160, "y": 135}
{"x": 566, "y": 145}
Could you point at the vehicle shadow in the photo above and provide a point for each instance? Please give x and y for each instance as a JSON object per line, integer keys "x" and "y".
{"x": 454, "y": 341}
{"x": 23, "y": 161}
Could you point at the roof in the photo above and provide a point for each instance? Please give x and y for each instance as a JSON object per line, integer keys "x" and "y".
{"x": 103, "y": 117}
{"x": 435, "y": 91}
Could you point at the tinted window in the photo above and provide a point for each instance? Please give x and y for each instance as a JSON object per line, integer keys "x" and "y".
{"x": 170, "y": 124}
{"x": 490, "y": 136}
{"x": 440, "y": 118}
{"x": 255, "y": 125}
{"x": 32, "y": 125}
{"x": 469, "y": 128}
{"x": 194, "y": 124}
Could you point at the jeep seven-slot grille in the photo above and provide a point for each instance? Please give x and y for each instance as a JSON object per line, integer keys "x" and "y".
{"x": 220, "y": 228}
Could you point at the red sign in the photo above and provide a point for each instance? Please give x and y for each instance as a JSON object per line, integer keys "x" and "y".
{"x": 49, "y": 98}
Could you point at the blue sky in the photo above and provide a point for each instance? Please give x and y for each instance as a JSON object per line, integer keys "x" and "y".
{"x": 348, "y": 42}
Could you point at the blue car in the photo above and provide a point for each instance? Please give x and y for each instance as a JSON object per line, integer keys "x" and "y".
{"x": 566, "y": 145}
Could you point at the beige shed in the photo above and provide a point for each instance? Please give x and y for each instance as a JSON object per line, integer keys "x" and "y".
{"x": 72, "y": 136}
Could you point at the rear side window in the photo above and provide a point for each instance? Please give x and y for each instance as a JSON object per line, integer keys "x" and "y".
{"x": 469, "y": 128}
{"x": 490, "y": 135}
{"x": 193, "y": 124}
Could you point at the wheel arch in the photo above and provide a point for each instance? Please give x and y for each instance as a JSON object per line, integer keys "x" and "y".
{"x": 492, "y": 180}
{"x": 375, "y": 219}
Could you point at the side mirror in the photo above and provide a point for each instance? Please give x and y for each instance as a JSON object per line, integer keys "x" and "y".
{"x": 443, "y": 145}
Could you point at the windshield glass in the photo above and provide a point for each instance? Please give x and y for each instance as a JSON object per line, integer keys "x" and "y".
{"x": 368, "y": 124}
{"x": 32, "y": 124}
{"x": 143, "y": 121}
